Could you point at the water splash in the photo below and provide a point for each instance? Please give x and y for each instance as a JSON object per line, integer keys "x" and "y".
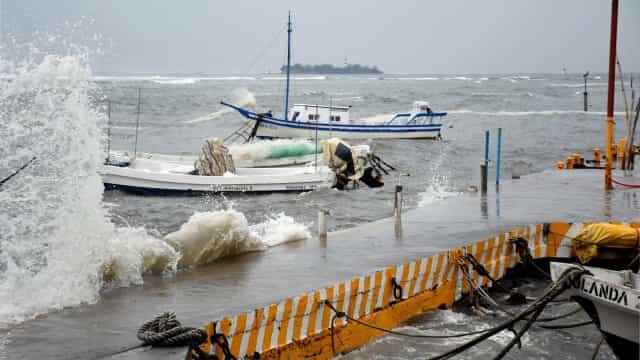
{"x": 438, "y": 187}
{"x": 240, "y": 97}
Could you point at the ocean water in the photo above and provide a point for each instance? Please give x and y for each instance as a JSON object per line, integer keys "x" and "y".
{"x": 69, "y": 248}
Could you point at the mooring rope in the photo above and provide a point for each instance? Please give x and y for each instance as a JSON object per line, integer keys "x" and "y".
{"x": 17, "y": 171}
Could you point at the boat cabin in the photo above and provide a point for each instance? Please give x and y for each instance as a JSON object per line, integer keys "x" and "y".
{"x": 319, "y": 113}
{"x": 420, "y": 114}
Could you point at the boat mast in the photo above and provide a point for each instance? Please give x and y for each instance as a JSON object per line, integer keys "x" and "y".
{"x": 286, "y": 94}
{"x": 611, "y": 93}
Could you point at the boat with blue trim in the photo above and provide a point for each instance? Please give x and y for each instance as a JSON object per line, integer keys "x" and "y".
{"x": 323, "y": 122}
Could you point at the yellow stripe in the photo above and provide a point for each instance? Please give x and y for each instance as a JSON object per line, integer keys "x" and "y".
{"x": 238, "y": 334}
{"x": 340, "y": 304}
{"x": 365, "y": 295}
{"x": 557, "y": 232}
{"x": 255, "y": 329}
{"x": 448, "y": 267}
{"x": 284, "y": 322}
{"x": 498, "y": 256}
{"x": 436, "y": 275}
{"x": 509, "y": 252}
{"x": 225, "y": 325}
{"x": 297, "y": 321}
{"x": 353, "y": 296}
{"x": 536, "y": 241}
{"x": 414, "y": 276}
{"x": 488, "y": 259}
{"x": 268, "y": 329}
{"x": 405, "y": 277}
{"x": 478, "y": 255}
{"x": 206, "y": 346}
{"x": 326, "y": 315}
{"x": 313, "y": 314}
{"x": 427, "y": 271}
{"x": 465, "y": 283}
{"x": 377, "y": 282}
{"x": 386, "y": 295}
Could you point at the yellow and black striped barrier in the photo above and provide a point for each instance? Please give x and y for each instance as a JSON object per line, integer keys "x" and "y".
{"x": 305, "y": 326}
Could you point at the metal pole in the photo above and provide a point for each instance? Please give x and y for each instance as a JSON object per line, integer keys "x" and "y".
{"x": 286, "y": 95}
{"x": 611, "y": 94}
{"x": 586, "y": 96}
{"x": 397, "y": 211}
{"x": 498, "y": 154}
{"x": 135, "y": 147}
{"x": 108, "y": 131}
{"x": 484, "y": 167}
{"x": 322, "y": 225}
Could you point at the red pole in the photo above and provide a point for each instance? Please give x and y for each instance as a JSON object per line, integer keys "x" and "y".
{"x": 611, "y": 93}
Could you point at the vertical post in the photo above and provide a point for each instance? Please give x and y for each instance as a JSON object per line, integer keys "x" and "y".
{"x": 108, "y": 131}
{"x": 135, "y": 146}
{"x": 611, "y": 93}
{"x": 498, "y": 155}
{"x": 484, "y": 167}
{"x": 286, "y": 94}
{"x": 397, "y": 211}
{"x": 322, "y": 225}
{"x": 586, "y": 96}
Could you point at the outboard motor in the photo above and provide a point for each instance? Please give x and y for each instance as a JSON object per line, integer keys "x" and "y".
{"x": 353, "y": 163}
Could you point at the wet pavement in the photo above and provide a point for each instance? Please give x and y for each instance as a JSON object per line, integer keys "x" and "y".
{"x": 244, "y": 282}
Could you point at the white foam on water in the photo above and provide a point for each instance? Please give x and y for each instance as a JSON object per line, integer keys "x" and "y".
{"x": 240, "y": 97}
{"x": 209, "y": 236}
{"x": 59, "y": 247}
{"x": 528, "y": 113}
{"x": 438, "y": 186}
{"x": 57, "y": 238}
{"x": 176, "y": 81}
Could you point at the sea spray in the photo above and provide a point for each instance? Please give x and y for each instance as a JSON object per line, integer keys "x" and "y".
{"x": 58, "y": 246}
{"x": 209, "y": 236}
{"x": 438, "y": 186}
{"x": 240, "y": 97}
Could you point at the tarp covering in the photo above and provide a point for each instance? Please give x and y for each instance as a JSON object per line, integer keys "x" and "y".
{"x": 340, "y": 158}
{"x": 593, "y": 236}
{"x": 215, "y": 159}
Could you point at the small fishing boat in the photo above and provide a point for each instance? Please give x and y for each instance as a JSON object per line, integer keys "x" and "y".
{"x": 323, "y": 122}
{"x": 612, "y": 300}
{"x": 150, "y": 176}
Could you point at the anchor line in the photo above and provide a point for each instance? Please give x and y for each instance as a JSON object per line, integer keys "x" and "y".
{"x": 17, "y": 171}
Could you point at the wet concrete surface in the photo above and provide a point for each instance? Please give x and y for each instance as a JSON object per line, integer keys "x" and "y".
{"x": 248, "y": 281}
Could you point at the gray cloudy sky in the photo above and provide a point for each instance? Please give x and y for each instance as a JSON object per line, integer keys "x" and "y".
{"x": 401, "y": 36}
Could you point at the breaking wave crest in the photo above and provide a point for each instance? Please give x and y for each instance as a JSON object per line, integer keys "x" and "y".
{"x": 59, "y": 247}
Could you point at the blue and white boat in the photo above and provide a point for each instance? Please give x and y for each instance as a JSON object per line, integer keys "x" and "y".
{"x": 323, "y": 122}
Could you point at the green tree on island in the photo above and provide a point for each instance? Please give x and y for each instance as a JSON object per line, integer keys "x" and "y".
{"x": 331, "y": 69}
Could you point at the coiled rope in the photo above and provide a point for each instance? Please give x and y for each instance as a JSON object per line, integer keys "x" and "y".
{"x": 166, "y": 331}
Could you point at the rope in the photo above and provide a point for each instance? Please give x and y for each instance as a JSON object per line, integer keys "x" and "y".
{"x": 633, "y": 186}
{"x": 166, "y": 331}
{"x": 566, "y": 279}
{"x": 566, "y": 326}
{"x": 597, "y": 349}
{"x": 522, "y": 247}
{"x": 17, "y": 171}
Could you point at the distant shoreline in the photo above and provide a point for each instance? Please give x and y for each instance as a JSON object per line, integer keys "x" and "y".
{"x": 331, "y": 69}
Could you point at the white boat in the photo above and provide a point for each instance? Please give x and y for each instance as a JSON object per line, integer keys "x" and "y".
{"x": 156, "y": 176}
{"x": 241, "y": 162}
{"x": 319, "y": 121}
{"x": 612, "y": 300}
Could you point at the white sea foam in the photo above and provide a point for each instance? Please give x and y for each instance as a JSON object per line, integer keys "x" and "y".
{"x": 320, "y": 77}
{"x": 240, "y": 97}
{"x": 58, "y": 246}
{"x": 209, "y": 236}
{"x": 176, "y": 81}
{"x": 528, "y": 113}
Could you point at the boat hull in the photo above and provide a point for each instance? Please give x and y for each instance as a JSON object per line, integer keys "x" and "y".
{"x": 309, "y": 131}
{"x": 262, "y": 180}
{"x": 612, "y": 300}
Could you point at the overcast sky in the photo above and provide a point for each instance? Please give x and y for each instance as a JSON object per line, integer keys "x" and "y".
{"x": 400, "y": 36}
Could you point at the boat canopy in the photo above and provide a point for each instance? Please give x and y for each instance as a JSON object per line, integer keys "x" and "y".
{"x": 319, "y": 113}
{"x": 593, "y": 236}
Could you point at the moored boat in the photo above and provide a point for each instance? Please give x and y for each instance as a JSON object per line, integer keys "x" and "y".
{"x": 323, "y": 122}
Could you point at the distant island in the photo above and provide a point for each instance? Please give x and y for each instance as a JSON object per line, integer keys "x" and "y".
{"x": 331, "y": 69}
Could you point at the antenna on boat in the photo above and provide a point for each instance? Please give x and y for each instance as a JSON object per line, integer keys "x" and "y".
{"x": 286, "y": 93}
{"x": 611, "y": 94}
{"x": 135, "y": 146}
{"x": 108, "y": 131}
